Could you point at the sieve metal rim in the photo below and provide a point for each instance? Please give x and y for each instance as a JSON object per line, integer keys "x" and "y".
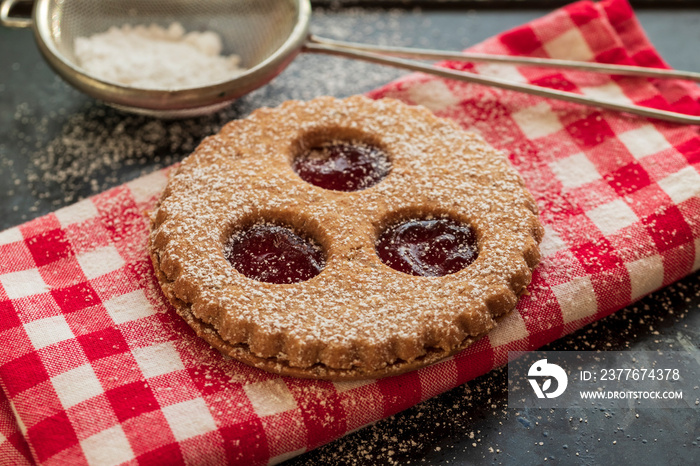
{"x": 170, "y": 103}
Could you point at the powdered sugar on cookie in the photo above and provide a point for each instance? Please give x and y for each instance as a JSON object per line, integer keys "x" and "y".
{"x": 358, "y": 317}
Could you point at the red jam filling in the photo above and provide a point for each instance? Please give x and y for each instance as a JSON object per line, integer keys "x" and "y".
{"x": 342, "y": 166}
{"x": 428, "y": 248}
{"x": 274, "y": 254}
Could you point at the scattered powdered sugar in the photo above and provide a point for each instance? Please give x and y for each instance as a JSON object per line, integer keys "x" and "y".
{"x": 99, "y": 147}
{"x": 153, "y": 57}
{"x": 72, "y": 148}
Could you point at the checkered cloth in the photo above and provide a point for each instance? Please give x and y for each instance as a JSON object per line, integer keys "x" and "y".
{"x": 97, "y": 368}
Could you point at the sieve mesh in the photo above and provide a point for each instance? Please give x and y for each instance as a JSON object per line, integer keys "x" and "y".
{"x": 252, "y": 29}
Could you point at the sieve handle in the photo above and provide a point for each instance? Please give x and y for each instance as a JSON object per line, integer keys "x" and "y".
{"x": 413, "y": 65}
{"x": 6, "y": 18}
{"x": 423, "y": 54}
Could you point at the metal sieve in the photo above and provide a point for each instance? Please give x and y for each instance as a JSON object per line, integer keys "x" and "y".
{"x": 267, "y": 35}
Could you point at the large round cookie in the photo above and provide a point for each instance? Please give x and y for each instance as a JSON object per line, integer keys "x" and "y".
{"x": 358, "y": 318}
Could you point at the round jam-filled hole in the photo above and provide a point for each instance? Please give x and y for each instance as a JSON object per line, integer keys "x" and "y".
{"x": 342, "y": 166}
{"x": 274, "y": 254}
{"x": 427, "y": 247}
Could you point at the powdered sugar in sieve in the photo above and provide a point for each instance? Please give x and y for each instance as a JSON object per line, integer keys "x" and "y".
{"x": 154, "y": 57}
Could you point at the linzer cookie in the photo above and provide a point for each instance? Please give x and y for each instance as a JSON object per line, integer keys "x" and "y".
{"x": 343, "y": 239}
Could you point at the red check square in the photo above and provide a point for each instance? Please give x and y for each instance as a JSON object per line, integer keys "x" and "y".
{"x": 49, "y": 246}
{"x": 691, "y": 150}
{"x": 668, "y": 229}
{"x": 103, "y": 343}
{"x": 391, "y": 387}
{"x": 590, "y": 131}
{"x": 167, "y": 454}
{"x": 628, "y": 179}
{"x": 522, "y": 41}
{"x": 15, "y": 257}
{"x": 75, "y": 297}
{"x": 55, "y": 433}
{"x": 23, "y": 373}
{"x": 555, "y": 81}
{"x": 132, "y": 400}
{"x": 8, "y": 316}
{"x": 252, "y": 446}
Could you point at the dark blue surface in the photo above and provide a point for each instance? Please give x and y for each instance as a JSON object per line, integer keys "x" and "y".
{"x": 57, "y": 146}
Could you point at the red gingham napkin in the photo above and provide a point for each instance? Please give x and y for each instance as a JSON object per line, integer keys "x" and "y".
{"x": 96, "y": 368}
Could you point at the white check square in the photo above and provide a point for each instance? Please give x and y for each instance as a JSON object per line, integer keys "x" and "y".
{"x": 146, "y": 187}
{"x": 537, "y": 121}
{"x": 76, "y": 213}
{"x": 644, "y": 141}
{"x": 270, "y": 397}
{"x": 612, "y": 217}
{"x": 76, "y": 385}
{"x": 189, "y": 419}
{"x": 609, "y": 91}
{"x": 576, "y": 299}
{"x": 570, "y": 45}
{"x": 347, "y": 385}
{"x": 48, "y": 331}
{"x": 551, "y": 242}
{"x": 100, "y": 261}
{"x": 511, "y": 328}
{"x": 158, "y": 359}
{"x": 128, "y": 307}
{"x": 11, "y": 235}
{"x": 23, "y": 283}
{"x": 575, "y": 170}
{"x": 107, "y": 448}
{"x": 434, "y": 94}
{"x": 502, "y": 71}
{"x": 646, "y": 275}
{"x": 682, "y": 185}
